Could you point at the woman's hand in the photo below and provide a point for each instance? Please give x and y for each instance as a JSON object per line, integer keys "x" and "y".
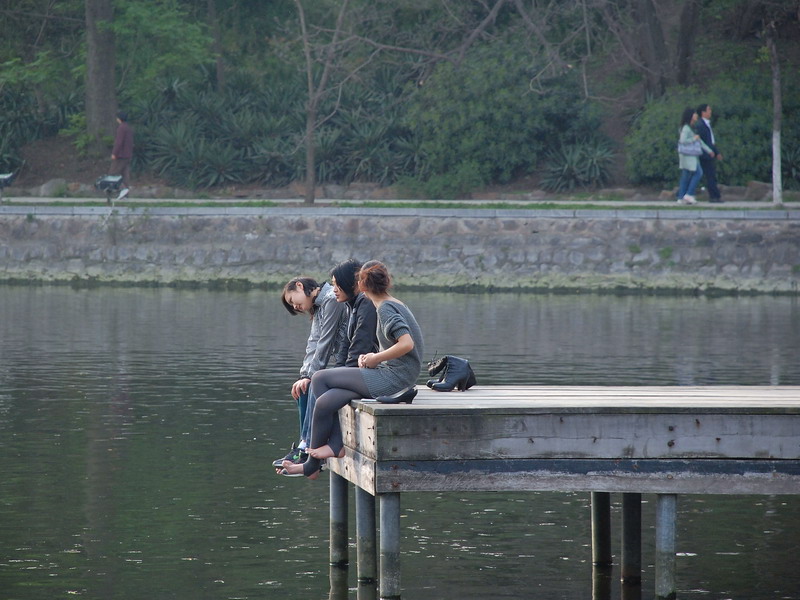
{"x": 404, "y": 345}
{"x": 368, "y": 361}
{"x": 299, "y": 387}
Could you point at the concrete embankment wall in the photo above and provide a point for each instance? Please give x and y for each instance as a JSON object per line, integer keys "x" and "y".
{"x": 646, "y": 250}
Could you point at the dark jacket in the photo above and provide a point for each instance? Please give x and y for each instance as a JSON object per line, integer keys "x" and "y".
{"x": 361, "y": 329}
{"x": 705, "y": 134}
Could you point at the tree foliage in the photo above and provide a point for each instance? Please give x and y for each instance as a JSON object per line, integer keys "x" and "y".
{"x": 444, "y": 96}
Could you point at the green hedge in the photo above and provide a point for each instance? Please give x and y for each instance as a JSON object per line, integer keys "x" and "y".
{"x": 483, "y": 122}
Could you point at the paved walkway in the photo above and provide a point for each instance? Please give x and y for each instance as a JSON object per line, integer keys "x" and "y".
{"x": 647, "y": 202}
{"x": 616, "y": 209}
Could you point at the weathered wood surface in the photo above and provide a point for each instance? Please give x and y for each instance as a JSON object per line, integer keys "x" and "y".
{"x": 720, "y": 439}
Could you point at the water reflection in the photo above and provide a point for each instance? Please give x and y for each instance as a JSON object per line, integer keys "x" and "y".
{"x": 137, "y": 428}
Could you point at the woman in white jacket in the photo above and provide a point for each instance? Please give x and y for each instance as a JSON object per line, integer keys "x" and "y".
{"x": 689, "y": 164}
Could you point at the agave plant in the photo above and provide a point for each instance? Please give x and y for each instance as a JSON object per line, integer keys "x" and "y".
{"x": 275, "y": 161}
{"x": 10, "y": 159}
{"x": 219, "y": 164}
{"x": 791, "y": 167}
{"x": 330, "y": 166}
{"x": 582, "y": 164}
{"x": 242, "y": 128}
{"x": 170, "y": 143}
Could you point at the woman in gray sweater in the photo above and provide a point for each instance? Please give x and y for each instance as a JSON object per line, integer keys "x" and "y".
{"x": 393, "y": 368}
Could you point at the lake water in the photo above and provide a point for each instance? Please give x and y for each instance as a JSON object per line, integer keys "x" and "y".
{"x": 137, "y": 428}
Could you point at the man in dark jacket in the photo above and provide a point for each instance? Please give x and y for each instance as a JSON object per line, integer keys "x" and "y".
{"x": 122, "y": 153}
{"x": 707, "y": 162}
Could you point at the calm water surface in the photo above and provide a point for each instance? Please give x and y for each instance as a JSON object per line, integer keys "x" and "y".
{"x": 137, "y": 427}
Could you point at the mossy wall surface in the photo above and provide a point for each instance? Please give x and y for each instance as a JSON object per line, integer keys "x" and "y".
{"x": 525, "y": 250}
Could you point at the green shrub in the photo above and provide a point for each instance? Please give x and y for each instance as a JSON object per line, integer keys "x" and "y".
{"x": 790, "y": 161}
{"x": 22, "y": 121}
{"x": 481, "y": 122}
{"x": 9, "y": 156}
{"x": 76, "y": 127}
{"x": 456, "y": 183}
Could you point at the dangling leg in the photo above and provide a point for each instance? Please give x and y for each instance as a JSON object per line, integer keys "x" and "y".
{"x": 336, "y": 440}
{"x": 333, "y": 388}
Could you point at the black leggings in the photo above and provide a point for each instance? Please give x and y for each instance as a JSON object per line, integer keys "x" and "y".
{"x": 334, "y": 389}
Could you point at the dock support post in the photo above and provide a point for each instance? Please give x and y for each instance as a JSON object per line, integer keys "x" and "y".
{"x": 338, "y": 527}
{"x": 631, "y": 571}
{"x": 366, "y": 538}
{"x": 390, "y": 546}
{"x": 601, "y": 529}
{"x": 338, "y": 578}
{"x": 666, "y": 511}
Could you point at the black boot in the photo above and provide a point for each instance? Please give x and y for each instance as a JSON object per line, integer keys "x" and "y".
{"x": 434, "y": 367}
{"x": 457, "y": 374}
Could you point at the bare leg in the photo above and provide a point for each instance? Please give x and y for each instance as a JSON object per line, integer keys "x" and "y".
{"x": 296, "y": 469}
{"x": 325, "y": 452}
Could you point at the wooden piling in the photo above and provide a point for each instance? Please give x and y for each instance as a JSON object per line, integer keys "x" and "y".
{"x": 338, "y": 525}
{"x": 601, "y": 583}
{"x": 666, "y": 511}
{"x": 338, "y": 578}
{"x": 631, "y": 560}
{"x": 601, "y": 529}
{"x": 366, "y": 538}
{"x": 390, "y": 546}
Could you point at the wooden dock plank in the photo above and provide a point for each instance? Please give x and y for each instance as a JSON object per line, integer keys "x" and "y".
{"x": 778, "y": 399}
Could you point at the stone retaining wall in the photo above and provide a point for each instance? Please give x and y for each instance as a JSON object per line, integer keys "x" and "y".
{"x": 533, "y": 250}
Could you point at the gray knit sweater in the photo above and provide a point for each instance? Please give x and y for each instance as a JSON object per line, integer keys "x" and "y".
{"x": 394, "y": 320}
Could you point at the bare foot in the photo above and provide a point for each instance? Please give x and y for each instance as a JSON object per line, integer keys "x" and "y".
{"x": 292, "y": 468}
{"x": 324, "y": 452}
{"x": 296, "y": 469}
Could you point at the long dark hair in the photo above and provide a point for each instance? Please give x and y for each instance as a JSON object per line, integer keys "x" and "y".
{"x": 686, "y": 118}
{"x": 345, "y": 274}
{"x": 309, "y": 285}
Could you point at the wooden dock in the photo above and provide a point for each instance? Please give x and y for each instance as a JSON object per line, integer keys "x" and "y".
{"x": 660, "y": 440}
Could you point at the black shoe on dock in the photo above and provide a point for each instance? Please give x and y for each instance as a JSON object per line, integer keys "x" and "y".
{"x": 406, "y": 396}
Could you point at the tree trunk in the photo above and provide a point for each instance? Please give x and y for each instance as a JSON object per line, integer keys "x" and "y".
{"x": 216, "y": 34}
{"x": 777, "y": 111}
{"x": 101, "y": 97}
{"x": 652, "y": 46}
{"x": 311, "y": 167}
{"x": 686, "y": 37}
{"x": 317, "y": 91}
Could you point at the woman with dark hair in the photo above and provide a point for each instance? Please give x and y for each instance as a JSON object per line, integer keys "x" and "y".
{"x": 325, "y": 342}
{"x": 691, "y": 171}
{"x": 361, "y": 326}
{"x": 394, "y": 368}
